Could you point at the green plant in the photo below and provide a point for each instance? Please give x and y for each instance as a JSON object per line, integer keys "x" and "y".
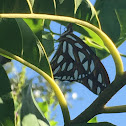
{"x": 26, "y": 44}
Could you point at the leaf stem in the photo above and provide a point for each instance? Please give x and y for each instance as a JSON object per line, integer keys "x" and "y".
{"x": 107, "y": 41}
{"x": 30, "y": 6}
{"x": 55, "y": 87}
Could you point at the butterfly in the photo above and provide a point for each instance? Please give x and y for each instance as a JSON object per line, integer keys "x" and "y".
{"x": 75, "y": 61}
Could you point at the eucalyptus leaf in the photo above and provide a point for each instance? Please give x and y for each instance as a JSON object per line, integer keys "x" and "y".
{"x": 6, "y": 101}
{"x": 113, "y": 17}
{"x": 18, "y": 39}
{"x": 42, "y": 6}
{"x": 14, "y": 6}
{"x": 5, "y": 86}
{"x": 93, "y": 120}
{"x": 30, "y": 110}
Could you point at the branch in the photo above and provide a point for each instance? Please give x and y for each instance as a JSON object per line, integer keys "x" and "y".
{"x": 114, "y": 109}
{"x": 123, "y": 55}
{"x": 107, "y": 41}
{"x": 97, "y": 106}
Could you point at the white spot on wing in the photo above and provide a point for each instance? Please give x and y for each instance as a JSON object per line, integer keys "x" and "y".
{"x": 64, "y": 47}
{"x": 76, "y": 74}
{"x": 70, "y": 67}
{"x": 69, "y": 36}
{"x": 88, "y": 51}
{"x": 56, "y": 70}
{"x": 60, "y": 59}
{"x": 83, "y": 75}
{"x": 90, "y": 83}
{"x": 56, "y": 77}
{"x": 79, "y": 77}
{"x": 71, "y": 78}
{"x": 54, "y": 58}
{"x": 64, "y": 78}
{"x": 81, "y": 56}
{"x": 68, "y": 78}
{"x": 78, "y": 45}
{"x": 70, "y": 51}
{"x": 63, "y": 66}
{"x": 85, "y": 65}
{"x": 98, "y": 90}
{"x": 104, "y": 85}
{"x": 92, "y": 66}
{"x": 100, "y": 78}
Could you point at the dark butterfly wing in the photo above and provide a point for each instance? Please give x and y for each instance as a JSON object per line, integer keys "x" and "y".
{"x": 75, "y": 61}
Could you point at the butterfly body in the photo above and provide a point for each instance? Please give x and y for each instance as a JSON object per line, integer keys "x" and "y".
{"x": 75, "y": 61}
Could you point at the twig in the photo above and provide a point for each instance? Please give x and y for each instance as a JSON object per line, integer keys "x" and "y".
{"x": 114, "y": 109}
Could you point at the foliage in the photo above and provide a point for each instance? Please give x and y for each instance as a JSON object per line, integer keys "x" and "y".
{"x": 26, "y": 36}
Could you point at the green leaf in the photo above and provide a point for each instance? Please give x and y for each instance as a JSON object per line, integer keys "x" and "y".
{"x": 6, "y": 109}
{"x": 97, "y": 42}
{"x": 43, "y": 106}
{"x": 30, "y": 112}
{"x": 93, "y": 124}
{"x": 47, "y": 24}
{"x": 113, "y": 17}
{"x": 42, "y": 6}
{"x": 10, "y": 36}
{"x": 84, "y": 10}
{"x": 31, "y": 120}
{"x": 17, "y": 38}
{"x": 5, "y": 87}
{"x": 93, "y": 40}
{"x": 77, "y": 4}
{"x": 47, "y": 42}
{"x": 31, "y": 2}
{"x": 46, "y": 38}
{"x": 7, "y": 123}
{"x": 6, "y": 102}
{"x": 53, "y": 123}
{"x": 93, "y": 120}
{"x": 34, "y": 24}
{"x": 122, "y": 19}
{"x": 14, "y": 6}
{"x": 80, "y": 9}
